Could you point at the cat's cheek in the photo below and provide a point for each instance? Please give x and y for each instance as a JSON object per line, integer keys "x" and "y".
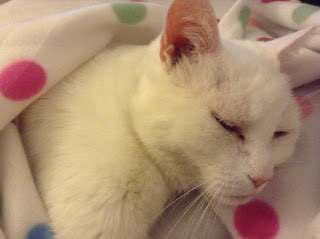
{"x": 283, "y": 149}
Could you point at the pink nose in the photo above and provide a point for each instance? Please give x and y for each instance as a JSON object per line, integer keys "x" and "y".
{"x": 257, "y": 182}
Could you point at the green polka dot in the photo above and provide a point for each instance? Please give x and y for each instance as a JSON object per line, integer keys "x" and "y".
{"x": 129, "y": 13}
{"x": 244, "y": 17}
{"x": 301, "y": 13}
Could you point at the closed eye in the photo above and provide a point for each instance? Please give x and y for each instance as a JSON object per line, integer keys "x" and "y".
{"x": 225, "y": 125}
{"x": 230, "y": 128}
{"x": 279, "y": 134}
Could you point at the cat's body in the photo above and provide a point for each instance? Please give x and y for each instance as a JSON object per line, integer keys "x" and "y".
{"x": 110, "y": 144}
{"x": 88, "y": 163}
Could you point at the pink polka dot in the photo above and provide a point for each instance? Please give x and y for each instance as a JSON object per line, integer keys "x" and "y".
{"x": 265, "y": 39}
{"x": 256, "y": 220}
{"x": 21, "y": 80}
{"x": 268, "y": 1}
{"x": 306, "y": 106}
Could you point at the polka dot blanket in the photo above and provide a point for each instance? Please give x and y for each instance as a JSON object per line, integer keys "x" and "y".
{"x": 42, "y": 41}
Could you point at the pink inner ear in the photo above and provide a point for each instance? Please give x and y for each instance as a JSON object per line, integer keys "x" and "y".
{"x": 190, "y": 26}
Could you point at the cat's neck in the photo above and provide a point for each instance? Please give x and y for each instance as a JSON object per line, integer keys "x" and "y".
{"x": 133, "y": 69}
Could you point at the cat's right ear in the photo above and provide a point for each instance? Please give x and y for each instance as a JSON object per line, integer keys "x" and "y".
{"x": 191, "y": 28}
{"x": 284, "y": 52}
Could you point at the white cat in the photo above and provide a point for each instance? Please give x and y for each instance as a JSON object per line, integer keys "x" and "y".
{"x": 110, "y": 144}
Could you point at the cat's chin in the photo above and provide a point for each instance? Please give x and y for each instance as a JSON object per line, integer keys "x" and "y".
{"x": 234, "y": 200}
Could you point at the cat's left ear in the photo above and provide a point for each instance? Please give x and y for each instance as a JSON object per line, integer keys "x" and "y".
{"x": 191, "y": 27}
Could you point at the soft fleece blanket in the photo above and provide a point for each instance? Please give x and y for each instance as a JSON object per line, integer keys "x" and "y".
{"x": 42, "y": 41}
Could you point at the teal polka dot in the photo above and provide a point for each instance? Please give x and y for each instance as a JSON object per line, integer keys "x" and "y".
{"x": 40, "y": 231}
{"x": 129, "y": 13}
{"x": 301, "y": 13}
{"x": 244, "y": 17}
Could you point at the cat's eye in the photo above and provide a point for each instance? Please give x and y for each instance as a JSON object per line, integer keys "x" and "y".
{"x": 230, "y": 128}
{"x": 278, "y": 134}
{"x": 224, "y": 124}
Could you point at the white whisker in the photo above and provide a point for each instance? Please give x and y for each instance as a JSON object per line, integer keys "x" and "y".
{"x": 182, "y": 197}
{"x": 217, "y": 208}
{"x": 309, "y": 95}
{"x": 179, "y": 198}
{"x": 214, "y": 211}
{"x": 191, "y": 220}
{"x": 185, "y": 211}
{"x": 208, "y": 205}
{"x": 208, "y": 223}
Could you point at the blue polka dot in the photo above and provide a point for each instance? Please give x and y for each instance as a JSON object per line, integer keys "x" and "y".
{"x": 40, "y": 231}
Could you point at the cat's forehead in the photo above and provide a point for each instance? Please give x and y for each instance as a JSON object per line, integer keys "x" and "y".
{"x": 238, "y": 84}
{"x": 248, "y": 89}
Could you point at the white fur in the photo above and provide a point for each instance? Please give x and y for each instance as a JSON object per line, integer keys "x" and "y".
{"x": 109, "y": 145}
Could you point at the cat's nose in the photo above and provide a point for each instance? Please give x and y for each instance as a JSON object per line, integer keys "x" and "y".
{"x": 257, "y": 182}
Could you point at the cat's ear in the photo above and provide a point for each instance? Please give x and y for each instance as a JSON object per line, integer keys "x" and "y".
{"x": 191, "y": 27}
{"x": 283, "y": 50}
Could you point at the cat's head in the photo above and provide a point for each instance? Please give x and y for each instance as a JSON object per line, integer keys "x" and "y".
{"x": 212, "y": 108}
